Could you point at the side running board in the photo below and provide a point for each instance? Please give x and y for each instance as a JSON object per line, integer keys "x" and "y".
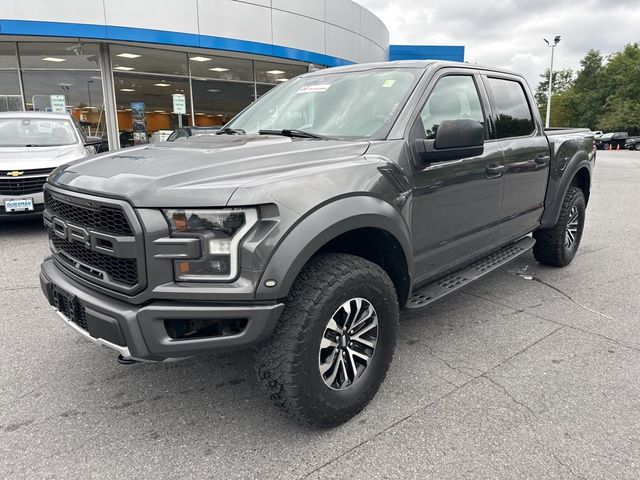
{"x": 436, "y": 290}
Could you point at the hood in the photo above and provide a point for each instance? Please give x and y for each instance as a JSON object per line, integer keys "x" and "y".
{"x": 30, "y": 158}
{"x": 199, "y": 172}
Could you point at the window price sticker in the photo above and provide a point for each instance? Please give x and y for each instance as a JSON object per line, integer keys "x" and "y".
{"x": 315, "y": 88}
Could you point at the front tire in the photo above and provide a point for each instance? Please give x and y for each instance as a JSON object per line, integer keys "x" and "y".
{"x": 558, "y": 245}
{"x": 333, "y": 345}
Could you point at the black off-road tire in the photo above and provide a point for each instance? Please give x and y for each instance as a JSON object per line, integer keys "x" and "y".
{"x": 550, "y": 247}
{"x": 287, "y": 363}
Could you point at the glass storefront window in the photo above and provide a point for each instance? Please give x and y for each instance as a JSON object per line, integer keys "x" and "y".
{"x": 59, "y": 56}
{"x": 222, "y": 68}
{"x": 82, "y": 91}
{"x": 148, "y": 60}
{"x": 262, "y": 88}
{"x": 275, "y": 73}
{"x": 8, "y": 58}
{"x": 10, "y": 96}
{"x": 145, "y": 106}
{"x": 217, "y": 102}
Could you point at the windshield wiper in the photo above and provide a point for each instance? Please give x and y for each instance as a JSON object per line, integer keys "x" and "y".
{"x": 230, "y": 131}
{"x": 292, "y": 133}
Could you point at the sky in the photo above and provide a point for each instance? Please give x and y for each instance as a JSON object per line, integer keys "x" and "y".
{"x": 509, "y": 33}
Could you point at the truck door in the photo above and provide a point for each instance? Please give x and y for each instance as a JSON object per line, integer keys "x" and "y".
{"x": 456, "y": 204}
{"x": 526, "y": 154}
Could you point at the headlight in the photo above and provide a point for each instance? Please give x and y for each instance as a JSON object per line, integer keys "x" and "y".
{"x": 220, "y": 232}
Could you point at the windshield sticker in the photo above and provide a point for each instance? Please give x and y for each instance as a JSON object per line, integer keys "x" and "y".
{"x": 315, "y": 88}
{"x": 45, "y": 127}
{"x": 388, "y": 83}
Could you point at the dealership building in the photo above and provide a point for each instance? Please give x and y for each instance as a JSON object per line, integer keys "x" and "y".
{"x": 194, "y": 62}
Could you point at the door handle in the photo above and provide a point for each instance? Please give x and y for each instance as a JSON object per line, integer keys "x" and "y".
{"x": 494, "y": 171}
{"x": 542, "y": 159}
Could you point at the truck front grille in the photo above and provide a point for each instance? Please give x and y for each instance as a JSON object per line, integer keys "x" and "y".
{"x": 103, "y": 267}
{"x": 106, "y": 219}
{"x": 97, "y": 239}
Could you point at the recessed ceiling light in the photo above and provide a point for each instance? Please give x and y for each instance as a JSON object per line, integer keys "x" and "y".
{"x": 128, "y": 55}
{"x": 127, "y": 90}
{"x": 275, "y": 72}
{"x": 54, "y": 59}
{"x": 219, "y": 69}
{"x": 199, "y": 59}
{"x": 162, "y": 84}
{"x": 158, "y": 111}
{"x": 123, "y": 68}
{"x": 282, "y": 80}
{"x": 199, "y": 113}
{"x": 213, "y": 90}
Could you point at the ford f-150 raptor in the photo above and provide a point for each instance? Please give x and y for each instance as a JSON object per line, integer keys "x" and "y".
{"x": 310, "y": 220}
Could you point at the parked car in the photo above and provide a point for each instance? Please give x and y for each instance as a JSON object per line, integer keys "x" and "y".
{"x": 611, "y": 141}
{"x": 303, "y": 227}
{"x": 597, "y": 134}
{"x": 186, "y": 132}
{"x": 32, "y": 144}
{"x": 633, "y": 143}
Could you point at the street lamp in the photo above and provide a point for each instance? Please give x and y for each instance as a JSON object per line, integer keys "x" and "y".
{"x": 556, "y": 40}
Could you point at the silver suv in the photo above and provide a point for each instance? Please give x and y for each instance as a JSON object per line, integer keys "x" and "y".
{"x": 32, "y": 145}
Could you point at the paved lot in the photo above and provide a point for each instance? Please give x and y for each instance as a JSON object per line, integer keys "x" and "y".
{"x": 532, "y": 372}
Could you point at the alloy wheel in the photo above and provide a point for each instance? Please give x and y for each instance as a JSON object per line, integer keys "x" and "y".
{"x": 348, "y": 343}
{"x": 572, "y": 228}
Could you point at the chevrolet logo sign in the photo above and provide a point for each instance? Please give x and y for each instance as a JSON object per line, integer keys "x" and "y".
{"x": 15, "y": 173}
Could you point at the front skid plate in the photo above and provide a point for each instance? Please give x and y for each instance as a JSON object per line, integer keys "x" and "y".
{"x": 436, "y": 290}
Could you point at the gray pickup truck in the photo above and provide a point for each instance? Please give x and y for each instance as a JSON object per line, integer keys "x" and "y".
{"x": 303, "y": 228}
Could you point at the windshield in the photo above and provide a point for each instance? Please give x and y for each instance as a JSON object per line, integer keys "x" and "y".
{"x": 36, "y": 132}
{"x": 345, "y": 105}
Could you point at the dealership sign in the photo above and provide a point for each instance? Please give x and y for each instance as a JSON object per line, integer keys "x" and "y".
{"x": 179, "y": 103}
{"x": 58, "y": 103}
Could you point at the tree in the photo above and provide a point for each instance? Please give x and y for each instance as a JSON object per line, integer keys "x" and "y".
{"x": 562, "y": 81}
{"x": 619, "y": 87}
{"x": 604, "y": 95}
{"x": 588, "y": 76}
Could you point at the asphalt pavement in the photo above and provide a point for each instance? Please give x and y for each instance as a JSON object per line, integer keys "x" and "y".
{"x": 531, "y": 372}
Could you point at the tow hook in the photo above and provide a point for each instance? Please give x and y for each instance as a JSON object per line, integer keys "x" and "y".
{"x": 125, "y": 361}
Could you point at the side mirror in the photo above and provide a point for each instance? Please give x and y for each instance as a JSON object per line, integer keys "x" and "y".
{"x": 455, "y": 139}
{"x": 93, "y": 144}
{"x": 92, "y": 141}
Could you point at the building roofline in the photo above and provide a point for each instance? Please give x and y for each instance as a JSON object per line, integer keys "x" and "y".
{"x": 112, "y": 33}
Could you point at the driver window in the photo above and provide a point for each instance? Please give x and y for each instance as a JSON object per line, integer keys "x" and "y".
{"x": 454, "y": 97}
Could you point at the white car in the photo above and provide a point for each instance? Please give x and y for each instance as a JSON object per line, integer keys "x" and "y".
{"x": 32, "y": 145}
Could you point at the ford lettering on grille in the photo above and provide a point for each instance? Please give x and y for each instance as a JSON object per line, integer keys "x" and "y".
{"x": 95, "y": 240}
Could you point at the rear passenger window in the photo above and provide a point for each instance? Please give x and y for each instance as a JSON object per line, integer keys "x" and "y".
{"x": 513, "y": 115}
{"x": 454, "y": 97}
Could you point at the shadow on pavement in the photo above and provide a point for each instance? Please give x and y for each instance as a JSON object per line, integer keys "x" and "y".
{"x": 20, "y": 226}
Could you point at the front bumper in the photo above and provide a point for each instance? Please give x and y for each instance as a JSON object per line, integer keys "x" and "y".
{"x": 38, "y": 204}
{"x": 139, "y": 332}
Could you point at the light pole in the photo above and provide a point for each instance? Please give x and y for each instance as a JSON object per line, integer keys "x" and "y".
{"x": 556, "y": 40}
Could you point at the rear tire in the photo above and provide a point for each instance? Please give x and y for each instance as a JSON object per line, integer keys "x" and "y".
{"x": 558, "y": 245}
{"x": 296, "y": 366}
